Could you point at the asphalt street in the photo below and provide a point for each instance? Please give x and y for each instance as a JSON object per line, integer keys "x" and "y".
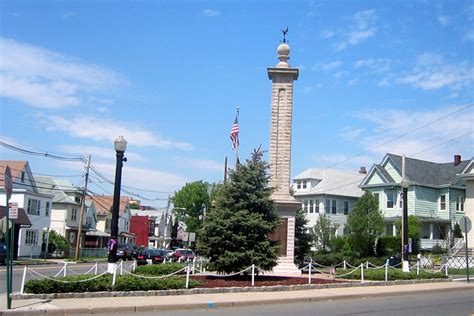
{"x": 49, "y": 270}
{"x": 451, "y": 303}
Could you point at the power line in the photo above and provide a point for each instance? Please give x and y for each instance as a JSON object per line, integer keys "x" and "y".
{"x": 37, "y": 153}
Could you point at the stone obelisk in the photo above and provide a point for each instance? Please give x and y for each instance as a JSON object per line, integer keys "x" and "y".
{"x": 282, "y": 77}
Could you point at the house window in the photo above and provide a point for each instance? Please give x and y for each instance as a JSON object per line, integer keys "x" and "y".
{"x": 74, "y": 214}
{"x": 311, "y": 206}
{"x": 346, "y": 207}
{"x": 72, "y": 237}
{"x": 460, "y": 204}
{"x": 22, "y": 177}
{"x": 47, "y": 209}
{"x": 31, "y": 237}
{"x": 34, "y": 207}
{"x": 298, "y": 184}
{"x": 327, "y": 206}
{"x": 376, "y": 196}
{"x": 77, "y": 199}
{"x": 333, "y": 207}
{"x": 442, "y": 202}
{"x": 400, "y": 200}
{"x": 316, "y": 206}
{"x": 305, "y": 207}
{"x": 107, "y": 223}
{"x": 390, "y": 201}
{"x": 304, "y": 184}
{"x": 89, "y": 222}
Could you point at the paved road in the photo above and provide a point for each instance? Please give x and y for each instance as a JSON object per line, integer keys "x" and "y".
{"x": 49, "y": 270}
{"x": 451, "y": 303}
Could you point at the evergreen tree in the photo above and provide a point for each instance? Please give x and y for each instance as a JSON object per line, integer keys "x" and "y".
{"x": 365, "y": 225}
{"x": 235, "y": 232}
{"x": 302, "y": 238}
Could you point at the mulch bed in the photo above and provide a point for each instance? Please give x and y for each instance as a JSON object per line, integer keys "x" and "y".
{"x": 260, "y": 280}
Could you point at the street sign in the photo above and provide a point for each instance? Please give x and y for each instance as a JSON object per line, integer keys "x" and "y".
{"x": 13, "y": 210}
{"x": 465, "y": 223}
{"x": 8, "y": 182}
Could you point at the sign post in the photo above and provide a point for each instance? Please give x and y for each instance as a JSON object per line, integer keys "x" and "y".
{"x": 465, "y": 222}
{"x": 9, "y": 245}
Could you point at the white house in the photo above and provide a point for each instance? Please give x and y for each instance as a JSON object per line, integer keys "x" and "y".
{"x": 103, "y": 206}
{"x": 36, "y": 205}
{"x": 330, "y": 191}
{"x": 66, "y": 208}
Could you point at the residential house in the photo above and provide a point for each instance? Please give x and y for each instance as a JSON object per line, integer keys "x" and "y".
{"x": 103, "y": 205}
{"x": 330, "y": 191}
{"x": 468, "y": 175}
{"x": 436, "y": 195}
{"x": 159, "y": 235}
{"x": 66, "y": 208}
{"x": 143, "y": 226}
{"x": 37, "y": 206}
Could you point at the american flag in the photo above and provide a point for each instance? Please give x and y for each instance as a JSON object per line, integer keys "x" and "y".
{"x": 234, "y": 134}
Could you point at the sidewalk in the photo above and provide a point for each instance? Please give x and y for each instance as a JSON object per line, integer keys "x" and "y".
{"x": 132, "y": 304}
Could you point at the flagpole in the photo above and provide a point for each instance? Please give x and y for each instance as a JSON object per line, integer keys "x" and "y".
{"x": 236, "y": 151}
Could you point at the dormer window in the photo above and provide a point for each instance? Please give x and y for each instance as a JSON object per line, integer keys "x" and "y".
{"x": 298, "y": 184}
{"x": 303, "y": 185}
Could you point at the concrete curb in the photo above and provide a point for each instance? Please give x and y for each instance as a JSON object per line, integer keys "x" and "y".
{"x": 279, "y": 288}
{"x": 207, "y": 305}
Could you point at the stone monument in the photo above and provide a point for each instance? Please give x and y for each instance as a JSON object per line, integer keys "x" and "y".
{"x": 282, "y": 77}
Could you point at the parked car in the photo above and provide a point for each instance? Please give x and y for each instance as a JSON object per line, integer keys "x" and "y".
{"x": 3, "y": 254}
{"x": 148, "y": 255}
{"x": 182, "y": 255}
{"x": 126, "y": 251}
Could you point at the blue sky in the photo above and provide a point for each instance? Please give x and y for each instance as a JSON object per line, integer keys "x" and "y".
{"x": 168, "y": 76}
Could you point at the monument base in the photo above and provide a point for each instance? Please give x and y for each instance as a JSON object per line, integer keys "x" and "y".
{"x": 286, "y": 267}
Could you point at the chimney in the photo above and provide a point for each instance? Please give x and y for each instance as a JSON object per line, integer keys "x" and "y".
{"x": 457, "y": 159}
{"x": 362, "y": 170}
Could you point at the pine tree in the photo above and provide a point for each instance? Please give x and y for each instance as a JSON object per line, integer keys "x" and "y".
{"x": 302, "y": 238}
{"x": 235, "y": 233}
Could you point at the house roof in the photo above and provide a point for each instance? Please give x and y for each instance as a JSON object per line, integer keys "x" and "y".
{"x": 103, "y": 203}
{"x": 22, "y": 217}
{"x": 56, "y": 188}
{"x": 16, "y": 167}
{"x": 429, "y": 173}
{"x": 421, "y": 172}
{"x": 332, "y": 181}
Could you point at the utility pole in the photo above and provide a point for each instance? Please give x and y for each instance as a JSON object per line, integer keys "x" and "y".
{"x": 166, "y": 221}
{"x": 83, "y": 207}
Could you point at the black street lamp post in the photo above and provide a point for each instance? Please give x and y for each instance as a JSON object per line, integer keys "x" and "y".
{"x": 120, "y": 146}
{"x": 405, "y": 247}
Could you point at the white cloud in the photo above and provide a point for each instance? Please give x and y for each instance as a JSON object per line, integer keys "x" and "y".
{"x": 143, "y": 178}
{"x": 431, "y": 73}
{"x": 46, "y": 79}
{"x": 351, "y": 132}
{"x": 344, "y": 161}
{"x": 331, "y": 65}
{"x": 100, "y": 152}
{"x": 340, "y": 74}
{"x": 100, "y": 129}
{"x": 327, "y": 34}
{"x": 377, "y": 65}
{"x": 431, "y": 129}
{"x": 202, "y": 164}
{"x": 362, "y": 28}
{"x": 444, "y": 20}
{"x": 210, "y": 12}
{"x": 469, "y": 36}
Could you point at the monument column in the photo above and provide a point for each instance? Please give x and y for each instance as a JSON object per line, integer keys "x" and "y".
{"x": 282, "y": 77}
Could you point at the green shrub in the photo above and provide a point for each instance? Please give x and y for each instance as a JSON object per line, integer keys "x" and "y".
{"x": 389, "y": 245}
{"x": 104, "y": 283}
{"x": 159, "y": 269}
{"x": 437, "y": 250}
{"x": 393, "y": 274}
{"x": 337, "y": 244}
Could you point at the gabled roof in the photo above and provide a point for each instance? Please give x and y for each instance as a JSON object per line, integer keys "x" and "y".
{"x": 332, "y": 182}
{"x": 16, "y": 168}
{"x": 57, "y": 188}
{"x": 425, "y": 172}
{"x": 103, "y": 203}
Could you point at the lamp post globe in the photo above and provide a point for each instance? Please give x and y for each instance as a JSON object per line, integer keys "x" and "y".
{"x": 120, "y": 146}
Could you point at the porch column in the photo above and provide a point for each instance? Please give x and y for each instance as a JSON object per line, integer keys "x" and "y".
{"x": 394, "y": 230}
{"x": 431, "y": 230}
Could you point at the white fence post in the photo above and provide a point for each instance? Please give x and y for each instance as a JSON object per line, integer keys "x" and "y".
{"x": 134, "y": 266}
{"x": 418, "y": 267}
{"x": 361, "y": 273}
{"x": 187, "y": 275}
{"x": 367, "y": 265}
{"x": 65, "y": 268}
{"x": 344, "y": 264}
{"x": 121, "y": 267}
{"x": 114, "y": 276}
{"x": 446, "y": 269}
{"x": 23, "y": 280}
{"x": 194, "y": 261}
{"x": 96, "y": 267}
{"x": 386, "y": 270}
{"x": 253, "y": 274}
{"x": 310, "y": 266}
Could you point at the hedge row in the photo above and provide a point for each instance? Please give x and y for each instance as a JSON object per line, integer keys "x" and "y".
{"x": 159, "y": 269}
{"x": 379, "y": 275}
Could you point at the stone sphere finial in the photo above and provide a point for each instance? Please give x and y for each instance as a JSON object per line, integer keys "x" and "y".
{"x": 283, "y": 51}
